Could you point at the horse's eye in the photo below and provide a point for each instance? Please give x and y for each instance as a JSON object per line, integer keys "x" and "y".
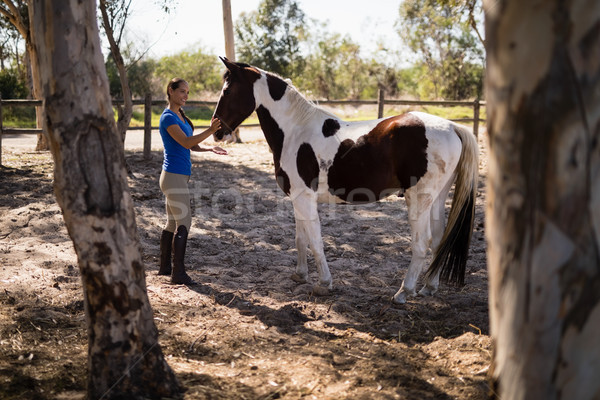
{"x": 226, "y": 92}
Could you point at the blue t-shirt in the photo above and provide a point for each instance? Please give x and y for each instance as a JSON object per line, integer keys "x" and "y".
{"x": 176, "y": 157}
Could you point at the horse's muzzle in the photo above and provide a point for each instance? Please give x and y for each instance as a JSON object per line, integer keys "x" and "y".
{"x": 221, "y": 133}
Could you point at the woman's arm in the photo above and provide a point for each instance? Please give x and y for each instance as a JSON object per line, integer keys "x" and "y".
{"x": 190, "y": 141}
{"x": 216, "y": 149}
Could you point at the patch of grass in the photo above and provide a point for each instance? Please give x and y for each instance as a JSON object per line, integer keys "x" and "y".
{"x": 18, "y": 123}
{"x": 200, "y": 115}
{"x": 199, "y": 118}
{"x": 456, "y": 112}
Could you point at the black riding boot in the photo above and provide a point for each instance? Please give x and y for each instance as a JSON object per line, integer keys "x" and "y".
{"x": 166, "y": 250}
{"x": 178, "y": 274}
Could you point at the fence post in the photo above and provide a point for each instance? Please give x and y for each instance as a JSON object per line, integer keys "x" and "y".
{"x": 1, "y": 129}
{"x": 476, "y": 106}
{"x": 147, "y": 125}
{"x": 380, "y": 103}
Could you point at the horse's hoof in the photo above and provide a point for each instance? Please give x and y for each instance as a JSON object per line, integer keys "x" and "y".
{"x": 403, "y": 295}
{"x": 399, "y": 298}
{"x": 320, "y": 290}
{"x": 298, "y": 278}
{"x": 427, "y": 291}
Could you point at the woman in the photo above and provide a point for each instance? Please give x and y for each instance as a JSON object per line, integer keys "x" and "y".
{"x": 176, "y": 131}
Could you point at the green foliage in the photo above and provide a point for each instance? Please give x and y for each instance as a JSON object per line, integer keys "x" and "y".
{"x": 13, "y": 74}
{"x": 443, "y": 37}
{"x": 139, "y": 75}
{"x": 9, "y": 39}
{"x": 199, "y": 113}
{"x": 114, "y": 83}
{"x": 336, "y": 70}
{"x": 202, "y": 72}
{"x": 11, "y": 85}
{"x": 409, "y": 80}
{"x": 326, "y": 75}
{"x": 271, "y": 37}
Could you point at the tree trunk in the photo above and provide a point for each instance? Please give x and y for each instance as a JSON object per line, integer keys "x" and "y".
{"x": 12, "y": 12}
{"x": 124, "y": 357}
{"x": 228, "y": 31}
{"x": 230, "y": 50}
{"x": 543, "y": 203}
{"x": 34, "y": 75}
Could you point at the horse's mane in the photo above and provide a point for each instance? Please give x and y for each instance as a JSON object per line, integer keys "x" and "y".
{"x": 304, "y": 108}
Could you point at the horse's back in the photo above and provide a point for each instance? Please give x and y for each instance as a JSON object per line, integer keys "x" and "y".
{"x": 362, "y": 162}
{"x": 374, "y": 159}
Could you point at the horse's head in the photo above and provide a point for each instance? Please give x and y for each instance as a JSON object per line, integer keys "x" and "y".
{"x": 236, "y": 102}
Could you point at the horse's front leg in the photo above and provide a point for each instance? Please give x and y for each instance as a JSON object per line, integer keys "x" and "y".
{"x": 301, "y": 274}
{"x": 308, "y": 232}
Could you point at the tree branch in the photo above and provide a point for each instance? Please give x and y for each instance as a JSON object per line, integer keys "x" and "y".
{"x": 14, "y": 17}
{"x": 125, "y": 112}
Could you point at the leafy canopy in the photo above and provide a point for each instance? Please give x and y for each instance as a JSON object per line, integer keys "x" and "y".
{"x": 271, "y": 37}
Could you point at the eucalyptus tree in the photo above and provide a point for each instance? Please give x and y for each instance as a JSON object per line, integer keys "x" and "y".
{"x": 543, "y": 198}
{"x": 125, "y": 359}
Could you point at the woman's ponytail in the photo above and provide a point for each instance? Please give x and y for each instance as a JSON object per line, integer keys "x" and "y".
{"x": 186, "y": 118}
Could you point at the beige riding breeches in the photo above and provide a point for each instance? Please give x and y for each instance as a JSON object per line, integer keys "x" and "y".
{"x": 177, "y": 200}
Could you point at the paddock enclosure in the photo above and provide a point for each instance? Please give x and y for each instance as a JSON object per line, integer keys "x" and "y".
{"x": 246, "y": 331}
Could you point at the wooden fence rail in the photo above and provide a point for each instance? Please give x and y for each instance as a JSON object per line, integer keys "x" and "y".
{"x": 147, "y": 102}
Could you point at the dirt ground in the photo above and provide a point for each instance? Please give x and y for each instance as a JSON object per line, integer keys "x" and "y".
{"x": 247, "y": 331}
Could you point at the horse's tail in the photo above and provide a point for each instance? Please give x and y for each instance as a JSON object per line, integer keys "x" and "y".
{"x": 451, "y": 255}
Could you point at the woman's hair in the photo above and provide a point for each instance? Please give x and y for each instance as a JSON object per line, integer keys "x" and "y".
{"x": 174, "y": 84}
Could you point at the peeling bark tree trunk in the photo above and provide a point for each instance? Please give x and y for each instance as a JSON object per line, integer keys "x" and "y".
{"x": 543, "y": 210}
{"x": 124, "y": 358}
{"x": 42, "y": 141}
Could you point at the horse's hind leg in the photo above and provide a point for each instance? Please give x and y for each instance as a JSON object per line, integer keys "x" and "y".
{"x": 308, "y": 231}
{"x": 419, "y": 206}
{"x": 438, "y": 223}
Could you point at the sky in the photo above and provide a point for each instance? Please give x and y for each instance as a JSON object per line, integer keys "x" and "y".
{"x": 199, "y": 23}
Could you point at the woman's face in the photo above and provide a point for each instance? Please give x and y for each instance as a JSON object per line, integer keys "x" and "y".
{"x": 179, "y": 96}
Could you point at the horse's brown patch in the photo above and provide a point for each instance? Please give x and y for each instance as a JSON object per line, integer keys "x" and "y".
{"x": 308, "y": 166}
{"x": 272, "y": 131}
{"x": 277, "y": 86}
{"x": 390, "y": 158}
{"x": 274, "y": 136}
{"x": 330, "y": 127}
{"x": 283, "y": 180}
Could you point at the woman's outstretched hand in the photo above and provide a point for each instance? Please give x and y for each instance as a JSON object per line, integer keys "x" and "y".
{"x": 219, "y": 150}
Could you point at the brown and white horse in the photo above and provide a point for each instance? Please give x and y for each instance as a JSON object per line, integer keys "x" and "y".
{"x": 321, "y": 158}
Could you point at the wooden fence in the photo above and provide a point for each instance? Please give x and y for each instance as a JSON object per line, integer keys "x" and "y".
{"x": 147, "y": 102}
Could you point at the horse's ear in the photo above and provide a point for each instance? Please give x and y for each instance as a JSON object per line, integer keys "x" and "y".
{"x": 230, "y": 66}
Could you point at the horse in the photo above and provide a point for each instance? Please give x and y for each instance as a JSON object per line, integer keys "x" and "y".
{"x": 319, "y": 157}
